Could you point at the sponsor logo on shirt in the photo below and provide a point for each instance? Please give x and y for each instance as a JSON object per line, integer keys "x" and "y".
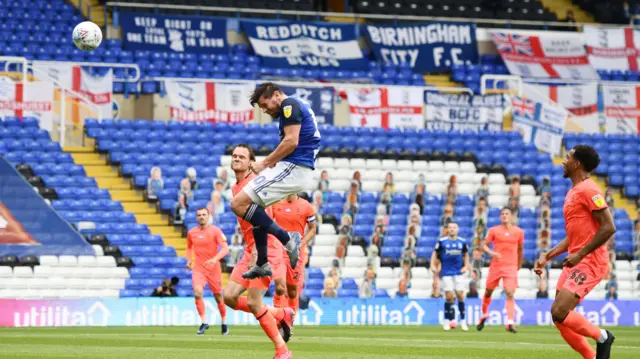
{"x": 598, "y": 200}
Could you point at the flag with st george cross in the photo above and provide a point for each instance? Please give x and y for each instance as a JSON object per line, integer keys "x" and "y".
{"x": 539, "y": 123}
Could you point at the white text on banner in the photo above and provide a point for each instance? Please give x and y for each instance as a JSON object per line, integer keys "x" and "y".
{"x": 30, "y": 99}
{"x": 612, "y": 48}
{"x": 386, "y": 107}
{"x": 621, "y": 108}
{"x": 461, "y": 112}
{"x": 540, "y": 124}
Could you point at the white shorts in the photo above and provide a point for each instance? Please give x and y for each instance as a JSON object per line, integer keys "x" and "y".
{"x": 456, "y": 283}
{"x": 274, "y": 184}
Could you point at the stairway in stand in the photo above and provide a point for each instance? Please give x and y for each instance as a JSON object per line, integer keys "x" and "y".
{"x": 92, "y": 10}
{"x": 107, "y": 177}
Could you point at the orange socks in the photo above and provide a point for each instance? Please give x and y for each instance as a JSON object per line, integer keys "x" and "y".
{"x": 279, "y": 301}
{"x": 485, "y": 306}
{"x": 243, "y": 305}
{"x": 581, "y": 325}
{"x": 268, "y": 324}
{"x": 511, "y": 311}
{"x": 293, "y": 303}
{"x": 576, "y": 341}
{"x": 277, "y": 313}
{"x": 202, "y": 312}
{"x": 223, "y": 312}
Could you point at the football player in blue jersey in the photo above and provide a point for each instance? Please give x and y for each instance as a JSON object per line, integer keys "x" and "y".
{"x": 287, "y": 170}
{"x": 451, "y": 257}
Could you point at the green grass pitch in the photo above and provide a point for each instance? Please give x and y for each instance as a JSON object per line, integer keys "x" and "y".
{"x": 308, "y": 342}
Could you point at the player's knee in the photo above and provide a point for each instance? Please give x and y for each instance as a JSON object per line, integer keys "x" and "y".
{"x": 230, "y": 300}
{"x": 281, "y": 289}
{"x": 254, "y": 307}
{"x": 488, "y": 292}
{"x": 292, "y": 291}
{"x": 449, "y": 297}
{"x": 197, "y": 293}
{"x": 509, "y": 294}
{"x": 558, "y": 313}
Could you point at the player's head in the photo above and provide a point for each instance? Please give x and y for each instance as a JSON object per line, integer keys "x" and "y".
{"x": 202, "y": 216}
{"x": 452, "y": 229}
{"x": 269, "y": 98}
{"x": 241, "y": 157}
{"x": 292, "y": 197}
{"x": 505, "y": 215}
{"x": 580, "y": 158}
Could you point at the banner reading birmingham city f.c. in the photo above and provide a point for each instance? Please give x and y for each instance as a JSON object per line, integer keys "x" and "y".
{"x": 293, "y": 43}
{"x": 544, "y": 55}
{"x": 539, "y": 123}
{"x": 621, "y": 108}
{"x": 464, "y": 112}
{"x": 398, "y": 107}
{"x": 208, "y": 101}
{"x": 173, "y": 33}
{"x": 426, "y": 47}
{"x": 320, "y": 100}
{"x": 613, "y": 48}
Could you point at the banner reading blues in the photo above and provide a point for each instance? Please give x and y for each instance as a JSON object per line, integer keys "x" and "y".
{"x": 427, "y": 47}
{"x": 320, "y": 99}
{"x": 321, "y": 311}
{"x": 292, "y": 43}
{"x": 539, "y": 123}
{"x": 173, "y": 33}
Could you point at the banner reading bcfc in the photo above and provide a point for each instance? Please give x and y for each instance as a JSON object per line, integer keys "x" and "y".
{"x": 464, "y": 112}
{"x": 208, "y": 101}
{"x": 173, "y": 33}
{"x": 539, "y": 123}
{"x": 292, "y": 43}
{"x": 427, "y": 47}
{"x": 398, "y": 107}
{"x": 544, "y": 56}
{"x": 621, "y": 108}
{"x": 320, "y": 100}
{"x": 613, "y": 48}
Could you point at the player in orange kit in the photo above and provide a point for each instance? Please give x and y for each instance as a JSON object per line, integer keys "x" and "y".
{"x": 589, "y": 226}
{"x": 295, "y": 214}
{"x": 507, "y": 254}
{"x": 269, "y": 317}
{"x": 203, "y": 241}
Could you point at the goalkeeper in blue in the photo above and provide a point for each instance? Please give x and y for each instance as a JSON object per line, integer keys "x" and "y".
{"x": 450, "y": 260}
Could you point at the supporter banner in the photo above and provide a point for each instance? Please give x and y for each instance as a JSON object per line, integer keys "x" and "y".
{"x": 173, "y": 33}
{"x": 96, "y": 88}
{"x": 321, "y": 311}
{"x": 320, "y": 99}
{"x": 544, "y": 56}
{"x": 427, "y": 47}
{"x": 539, "y": 123}
{"x": 621, "y": 108}
{"x": 293, "y": 43}
{"x": 208, "y": 101}
{"x": 612, "y": 48}
{"x": 386, "y": 107}
{"x": 464, "y": 112}
{"x": 581, "y": 100}
{"x": 29, "y": 99}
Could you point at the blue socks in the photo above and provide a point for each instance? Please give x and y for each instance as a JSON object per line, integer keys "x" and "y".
{"x": 263, "y": 225}
{"x": 461, "y": 310}
{"x": 449, "y": 313}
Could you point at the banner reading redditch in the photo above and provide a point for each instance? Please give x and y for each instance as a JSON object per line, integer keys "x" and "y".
{"x": 208, "y": 101}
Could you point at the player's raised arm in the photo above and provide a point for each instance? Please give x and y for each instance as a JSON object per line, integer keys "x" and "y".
{"x": 606, "y": 230}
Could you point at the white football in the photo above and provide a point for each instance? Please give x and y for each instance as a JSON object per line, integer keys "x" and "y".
{"x": 87, "y": 36}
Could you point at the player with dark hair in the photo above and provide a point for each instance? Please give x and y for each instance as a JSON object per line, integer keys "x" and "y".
{"x": 507, "y": 255}
{"x": 204, "y": 241}
{"x": 452, "y": 255}
{"x": 269, "y": 317}
{"x": 287, "y": 170}
{"x": 589, "y": 226}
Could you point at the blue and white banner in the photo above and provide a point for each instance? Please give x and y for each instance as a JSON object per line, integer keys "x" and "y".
{"x": 321, "y": 311}
{"x": 173, "y": 33}
{"x": 320, "y": 100}
{"x": 539, "y": 123}
{"x": 460, "y": 112}
{"x": 292, "y": 43}
{"x": 426, "y": 47}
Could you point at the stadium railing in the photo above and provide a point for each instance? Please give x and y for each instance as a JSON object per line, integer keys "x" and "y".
{"x": 115, "y": 6}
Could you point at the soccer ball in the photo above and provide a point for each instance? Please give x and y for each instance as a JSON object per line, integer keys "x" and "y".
{"x": 87, "y": 36}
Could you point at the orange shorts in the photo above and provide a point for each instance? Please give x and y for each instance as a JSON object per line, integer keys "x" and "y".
{"x": 295, "y": 276}
{"x": 277, "y": 266}
{"x": 200, "y": 278}
{"x": 582, "y": 278}
{"x": 509, "y": 278}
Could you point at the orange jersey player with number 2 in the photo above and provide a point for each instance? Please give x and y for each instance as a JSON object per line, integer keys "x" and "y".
{"x": 269, "y": 318}
{"x": 295, "y": 214}
{"x": 589, "y": 226}
{"x": 203, "y": 241}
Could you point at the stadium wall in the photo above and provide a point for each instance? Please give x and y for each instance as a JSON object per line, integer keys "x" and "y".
{"x": 323, "y": 311}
